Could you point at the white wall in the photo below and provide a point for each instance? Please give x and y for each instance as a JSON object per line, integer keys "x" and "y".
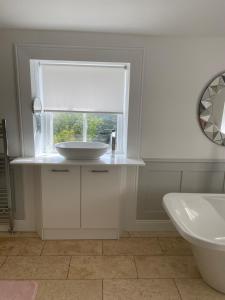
{"x": 176, "y": 70}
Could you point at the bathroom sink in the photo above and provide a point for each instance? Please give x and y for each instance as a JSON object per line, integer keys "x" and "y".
{"x": 81, "y": 150}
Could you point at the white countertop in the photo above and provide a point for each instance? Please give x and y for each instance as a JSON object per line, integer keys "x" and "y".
{"x": 56, "y": 159}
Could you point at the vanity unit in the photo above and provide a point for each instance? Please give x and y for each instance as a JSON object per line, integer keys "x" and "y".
{"x": 79, "y": 199}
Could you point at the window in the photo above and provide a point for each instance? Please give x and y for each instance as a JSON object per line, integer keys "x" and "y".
{"x": 79, "y": 101}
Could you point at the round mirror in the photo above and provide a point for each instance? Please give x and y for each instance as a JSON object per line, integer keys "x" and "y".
{"x": 212, "y": 110}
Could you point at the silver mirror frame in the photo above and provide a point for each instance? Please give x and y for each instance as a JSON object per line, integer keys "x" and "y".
{"x": 207, "y": 124}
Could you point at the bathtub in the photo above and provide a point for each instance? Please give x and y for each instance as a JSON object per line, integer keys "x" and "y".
{"x": 200, "y": 219}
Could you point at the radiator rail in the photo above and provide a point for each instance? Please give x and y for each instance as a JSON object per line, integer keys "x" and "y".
{"x": 6, "y": 212}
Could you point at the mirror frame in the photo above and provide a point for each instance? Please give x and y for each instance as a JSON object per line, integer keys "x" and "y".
{"x": 205, "y": 117}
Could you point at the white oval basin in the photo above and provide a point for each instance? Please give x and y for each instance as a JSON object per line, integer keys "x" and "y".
{"x": 81, "y": 150}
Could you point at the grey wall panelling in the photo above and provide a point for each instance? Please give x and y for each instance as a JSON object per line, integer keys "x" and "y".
{"x": 202, "y": 182}
{"x": 164, "y": 176}
{"x": 156, "y": 179}
{"x": 153, "y": 184}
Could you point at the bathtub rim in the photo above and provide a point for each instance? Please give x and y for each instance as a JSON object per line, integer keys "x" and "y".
{"x": 191, "y": 236}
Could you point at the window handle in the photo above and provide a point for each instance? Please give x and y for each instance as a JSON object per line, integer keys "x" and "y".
{"x": 60, "y": 171}
{"x": 36, "y": 105}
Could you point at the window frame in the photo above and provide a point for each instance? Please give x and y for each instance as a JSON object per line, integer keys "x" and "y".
{"x": 46, "y": 145}
{"x": 25, "y": 52}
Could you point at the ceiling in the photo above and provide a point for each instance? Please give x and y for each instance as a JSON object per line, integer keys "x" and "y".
{"x": 152, "y": 17}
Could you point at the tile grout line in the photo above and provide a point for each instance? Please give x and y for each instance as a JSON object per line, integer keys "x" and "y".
{"x": 163, "y": 253}
{"x": 159, "y": 278}
{"x": 99, "y": 279}
{"x": 69, "y": 254}
{"x": 157, "y": 238}
{"x": 4, "y": 261}
{"x": 174, "y": 281}
{"x": 102, "y": 289}
{"x": 67, "y": 276}
{"x": 63, "y": 279}
{"x": 154, "y": 255}
{"x": 42, "y": 250}
{"x": 135, "y": 266}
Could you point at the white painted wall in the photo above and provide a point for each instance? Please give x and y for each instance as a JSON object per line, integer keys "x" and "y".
{"x": 176, "y": 70}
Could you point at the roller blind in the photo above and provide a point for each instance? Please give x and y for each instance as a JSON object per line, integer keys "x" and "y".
{"x": 86, "y": 88}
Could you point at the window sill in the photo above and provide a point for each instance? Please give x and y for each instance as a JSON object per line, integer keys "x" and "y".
{"x": 56, "y": 159}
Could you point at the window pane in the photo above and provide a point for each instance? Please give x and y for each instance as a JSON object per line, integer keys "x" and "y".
{"x": 37, "y": 124}
{"x": 100, "y": 126}
{"x": 70, "y": 126}
{"x": 67, "y": 127}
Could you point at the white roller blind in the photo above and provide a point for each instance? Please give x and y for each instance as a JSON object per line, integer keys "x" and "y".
{"x": 87, "y": 88}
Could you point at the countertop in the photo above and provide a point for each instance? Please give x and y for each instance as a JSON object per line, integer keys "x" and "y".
{"x": 56, "y": 159}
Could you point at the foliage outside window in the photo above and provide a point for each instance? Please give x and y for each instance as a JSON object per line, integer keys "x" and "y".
{"x": 70, "y": 127}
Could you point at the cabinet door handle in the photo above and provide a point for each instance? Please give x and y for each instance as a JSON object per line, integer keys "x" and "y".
{"x": 99, "y": 171}
{"x": 58, "y": 171}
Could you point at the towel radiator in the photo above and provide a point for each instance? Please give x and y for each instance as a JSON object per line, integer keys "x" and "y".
{"x": 6, "y": 213}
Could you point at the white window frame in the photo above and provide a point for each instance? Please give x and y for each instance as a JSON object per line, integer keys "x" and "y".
{"x": 46, "y": 145}
{"x": 26, "y": 52}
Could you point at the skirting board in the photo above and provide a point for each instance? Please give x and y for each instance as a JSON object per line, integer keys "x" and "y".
{"x": 19, "y": 225}
{"x": 153, "y": 225}
{"x": 67, "y": 234}
{"x": 4, "y": 228}
{"x": 140, "y": 225}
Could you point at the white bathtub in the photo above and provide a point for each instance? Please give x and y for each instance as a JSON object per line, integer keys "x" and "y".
{"x": 200, "y": 219}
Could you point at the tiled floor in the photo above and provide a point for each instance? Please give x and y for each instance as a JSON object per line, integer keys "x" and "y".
{"x": 139, "y": 266}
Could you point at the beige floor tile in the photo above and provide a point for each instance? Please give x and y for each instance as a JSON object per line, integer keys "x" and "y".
{"x": 166, "y": 267}
{"x": 100, "y": 267}
{"x": 197, "y": 289}
{"x": 141, "y": 289}
{"x": 132, "y": 246}
{"x": 175, "y": 246}
{"x": 35, "y": 267}
{"x": 154, "y": 233}
{"x": 21, "y": 246}
{"x": 69, "y": 290}
{"x": 73, "y": 247}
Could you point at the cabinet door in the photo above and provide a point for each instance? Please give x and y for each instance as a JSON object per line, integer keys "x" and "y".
{"x": 100, "y": 195}
{"x": 61, "y": 197}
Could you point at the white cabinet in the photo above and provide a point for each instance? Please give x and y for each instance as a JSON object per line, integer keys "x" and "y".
{"x": 79, "y": 202}
{"x": 100, "y": 193}
{"x": 60, "y": 197}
